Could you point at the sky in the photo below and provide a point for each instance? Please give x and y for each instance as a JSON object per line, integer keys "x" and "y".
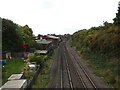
{"x": 59, "y": 16}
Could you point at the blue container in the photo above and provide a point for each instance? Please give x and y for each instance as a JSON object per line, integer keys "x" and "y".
{"x": 3, "y": 62}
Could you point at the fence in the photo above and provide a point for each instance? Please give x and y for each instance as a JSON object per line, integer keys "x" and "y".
{"x": 33, "y": 78}
{"x": 18, "y": 54}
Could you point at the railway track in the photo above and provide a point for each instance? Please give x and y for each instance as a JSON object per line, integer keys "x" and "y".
{"x": 83, "y": 75}
{"x": 69, "y": 72}
{"x": 66, "y": 81}
{"x": 75, "y": 78}
{"x": 76, "y": 74}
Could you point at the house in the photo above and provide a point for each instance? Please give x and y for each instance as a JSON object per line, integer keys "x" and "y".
{"x": 50, "y": 38}
{"x": 47, "y": 41}
{"x": 46, "y": 44}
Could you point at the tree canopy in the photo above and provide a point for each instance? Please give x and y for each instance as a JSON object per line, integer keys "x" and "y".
{"x": 14, "y": 36}
{"x": 11, "y": 40}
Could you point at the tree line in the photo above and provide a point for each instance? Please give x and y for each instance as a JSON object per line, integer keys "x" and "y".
{"x": 103, "y": 39}
{"x": 14, "y": 36}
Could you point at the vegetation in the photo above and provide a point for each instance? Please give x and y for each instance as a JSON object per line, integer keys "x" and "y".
{"x": 10, "y": 36}
{"x": 14, "y": 66}
{"x": 100, "y": 46}
{"x": 39, "y": 59}
{"x": 43, "y": 77}
{"x": 16, "y": 35}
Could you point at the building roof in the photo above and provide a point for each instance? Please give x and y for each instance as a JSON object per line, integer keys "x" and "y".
{"x": 42, "y": 51}
{"x": 43, "y": 41}
{"x": 54, "y": 37}
{"x": 15, "y": 76}
{"x": 14, "y": 83}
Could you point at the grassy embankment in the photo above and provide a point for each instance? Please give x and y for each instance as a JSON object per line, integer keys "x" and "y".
{"x": 13, "y": 66}
{"x": 99, "y": 46}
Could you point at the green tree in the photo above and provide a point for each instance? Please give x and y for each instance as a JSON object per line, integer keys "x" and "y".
{"x": 33, "y": 44}
{"x": 37, "y": 58}
{"x": 26, "y": 33}
{"x": 117, "y": 18}
{"x": 14, "y": 36}
{"x": 27, "y": 36}
{"x": 11, "y": 40}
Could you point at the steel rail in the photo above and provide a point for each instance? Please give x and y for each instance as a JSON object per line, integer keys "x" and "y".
{"x": 61, "y": 77}
{"x": 68, "y": 71}
{"x": 82, "y": 68}
{"x": 80, "y": 78}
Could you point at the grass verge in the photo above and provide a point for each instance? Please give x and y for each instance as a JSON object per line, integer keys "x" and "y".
{"x": 13, "y": 66}
{"x": 104, "y": 66}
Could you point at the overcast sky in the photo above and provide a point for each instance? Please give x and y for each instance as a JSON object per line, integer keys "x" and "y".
{"x": 58, "y": 16}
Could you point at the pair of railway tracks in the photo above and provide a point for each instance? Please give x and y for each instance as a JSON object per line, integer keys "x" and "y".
{"x": 69, "y": 72}
{"x": 65, "y": 71}
{"x": 83, "y": 76}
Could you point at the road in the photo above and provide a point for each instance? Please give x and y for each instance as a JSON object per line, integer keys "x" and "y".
{"x": 68, "y": 70}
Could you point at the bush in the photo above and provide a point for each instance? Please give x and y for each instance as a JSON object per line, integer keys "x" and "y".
{"x": 39, "y": 59}
{"x": 28, "y": 75}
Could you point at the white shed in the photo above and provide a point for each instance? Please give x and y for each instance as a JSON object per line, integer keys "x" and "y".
{"x": 15, "y": 84}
